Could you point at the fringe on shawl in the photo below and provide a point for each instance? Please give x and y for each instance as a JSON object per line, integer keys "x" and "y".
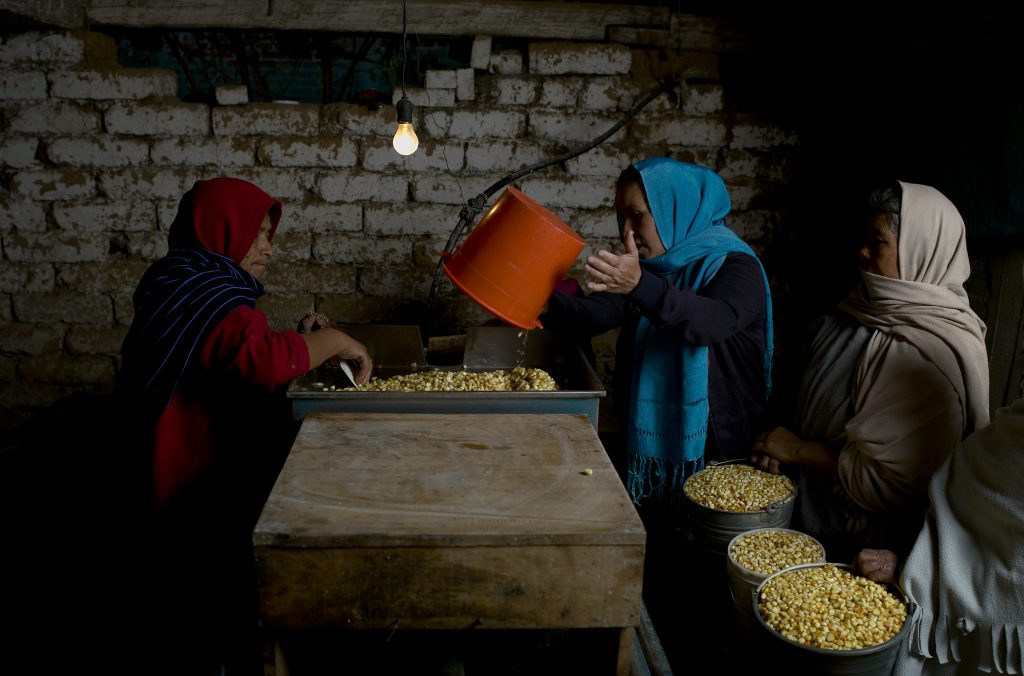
{"x": 1000, "y": 646}
{"x": 661, "y": 479}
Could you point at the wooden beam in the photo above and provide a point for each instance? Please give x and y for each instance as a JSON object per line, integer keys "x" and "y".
{"x": 29, "y": 14}
{"x": 503, "y": 18}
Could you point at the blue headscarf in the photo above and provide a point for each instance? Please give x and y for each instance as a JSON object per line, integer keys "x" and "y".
{"x": 668, "y": 420}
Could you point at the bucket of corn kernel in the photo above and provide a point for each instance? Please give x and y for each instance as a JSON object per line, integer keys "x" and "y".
{"x": 726, "y": 499}
{"x": 827, "y": 619}
{"x": 756, "y": 554}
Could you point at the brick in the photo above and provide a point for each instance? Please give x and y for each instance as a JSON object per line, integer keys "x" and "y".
{"x": 395, "y": 281}
{"x": 94, "y": 217}
{"x": 236, "y": 151}
{"x": 42, "y": 48}
{"x": 428, "y": 252}
{"x": 506, "y": 62}
{"x": 148, "y": 183}
{"x": 503, "y": 156}
{"x": 53, "y": 117}
{"x": 39, "y": 395}
{"x": 471, "y": 125}
{"x": 356, "y": 187}
{"x": 361, "y": 250}
{"x": 22, "y": 216}
{"x": 267, "y": 118}
{"x": 285, "y": 310}
{"x": 231, "y": 95}
{"x": 8, "y": 374}
{"x": 22, "y": 86}
{"x": 298, "y": 278}
{"x": 119, "y": 84}
{"x": 116, "y": 275}
{"x": 743, "y": 193}
{"x": 430, "y": 155}
{"x": 300, "y": 152}
{"x": 771, "y": 165}
{"x": 158, "y": 119}
{"x": 596, "y": 223}
{"x": 53, "y": 185}
{"x": 323, "y": 218}
{"x": 681, "y": 130}
{"x": 577, "y": 128}
{"x": 440, "y": 79}
{"x": 94, "y": 340}
{"x": 608, "y": 93}
{"x": 98, "y": 151}
{"x": 31, "y": 339}
{"x": 422, "y": 97}
{"x": 145, "y": 245}
{"x": 480, "y": 53}
{"x": 18, "y": 153}
{"x": 752, "y": 224}
{"x": 561, "y": 92}
{"x": 21, "y": 277}
{"x": 410, "y": 219}
{"x": 124, "y": 310}
{"x": 561, "y": 58}
{"x": 80, "y": 369}
{"x": 465, "y": 84}
{"x": 282, "y": 184}
{"x": 515, "y": 90}
{"x": 703, "y": 99}
{"x": 442, "y": 189}
{"x": 342, "y": 119}
{"x": 66, "y": 307}
{"x": 750, "y": 134}
{"x": 583, "y": 192}
{"x": 600, "y": 161}
{"x": 292, "y": 246}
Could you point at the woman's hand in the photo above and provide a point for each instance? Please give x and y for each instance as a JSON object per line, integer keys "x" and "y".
{"x": 313, "y": 321}
{"x": 354, "y": 351}
{"x": 778, "y": 446}
{"x": 877, "y": 564}
{"x": 329, "y": 343}
{"x": 616, "y": 274}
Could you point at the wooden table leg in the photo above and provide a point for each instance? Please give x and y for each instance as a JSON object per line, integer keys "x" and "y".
{"x": 625, "y": 661}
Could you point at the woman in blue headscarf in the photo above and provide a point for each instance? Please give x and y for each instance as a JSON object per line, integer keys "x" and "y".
{"x": 693, "y": 358}
{"x": 692, "y": 366}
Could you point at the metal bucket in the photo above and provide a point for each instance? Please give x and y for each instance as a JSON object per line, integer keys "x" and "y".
{"x": 804, "y": 659}
{"x": 743, "y": 581}
{"x": 714, "y": 529}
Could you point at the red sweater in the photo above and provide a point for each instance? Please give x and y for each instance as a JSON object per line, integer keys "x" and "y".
{"x": 242, "y": 354}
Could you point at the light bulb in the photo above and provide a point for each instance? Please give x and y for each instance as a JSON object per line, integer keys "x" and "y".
{"x": 405, "y": 141}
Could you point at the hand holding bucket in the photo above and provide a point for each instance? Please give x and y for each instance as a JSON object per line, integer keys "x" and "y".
{"x": 512, "y": 260}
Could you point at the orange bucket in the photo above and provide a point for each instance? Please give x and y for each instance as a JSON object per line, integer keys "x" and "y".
{"x": 514, "y": 257}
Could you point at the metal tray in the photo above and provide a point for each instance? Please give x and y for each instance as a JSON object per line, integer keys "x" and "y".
{"x": 398, "y": 350}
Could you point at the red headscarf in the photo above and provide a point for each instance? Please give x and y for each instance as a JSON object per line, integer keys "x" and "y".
{"x": 223, "y": 215}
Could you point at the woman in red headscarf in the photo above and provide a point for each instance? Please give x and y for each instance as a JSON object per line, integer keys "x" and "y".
{"x": 202, "y": 373}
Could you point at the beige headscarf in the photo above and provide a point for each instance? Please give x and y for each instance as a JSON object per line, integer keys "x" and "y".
{"x": 922, "y": 383}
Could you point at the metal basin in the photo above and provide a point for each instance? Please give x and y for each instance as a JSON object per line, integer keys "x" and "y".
{"x": 398, "y": 350}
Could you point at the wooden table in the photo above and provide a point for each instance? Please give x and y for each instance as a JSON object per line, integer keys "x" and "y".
{"x": 438, "y": 521}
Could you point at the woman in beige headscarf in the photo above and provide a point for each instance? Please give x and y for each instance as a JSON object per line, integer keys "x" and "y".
{"x": 894, "y": 381}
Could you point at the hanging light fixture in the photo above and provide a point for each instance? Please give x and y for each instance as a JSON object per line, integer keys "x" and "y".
{"x": 405, "y": 140}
